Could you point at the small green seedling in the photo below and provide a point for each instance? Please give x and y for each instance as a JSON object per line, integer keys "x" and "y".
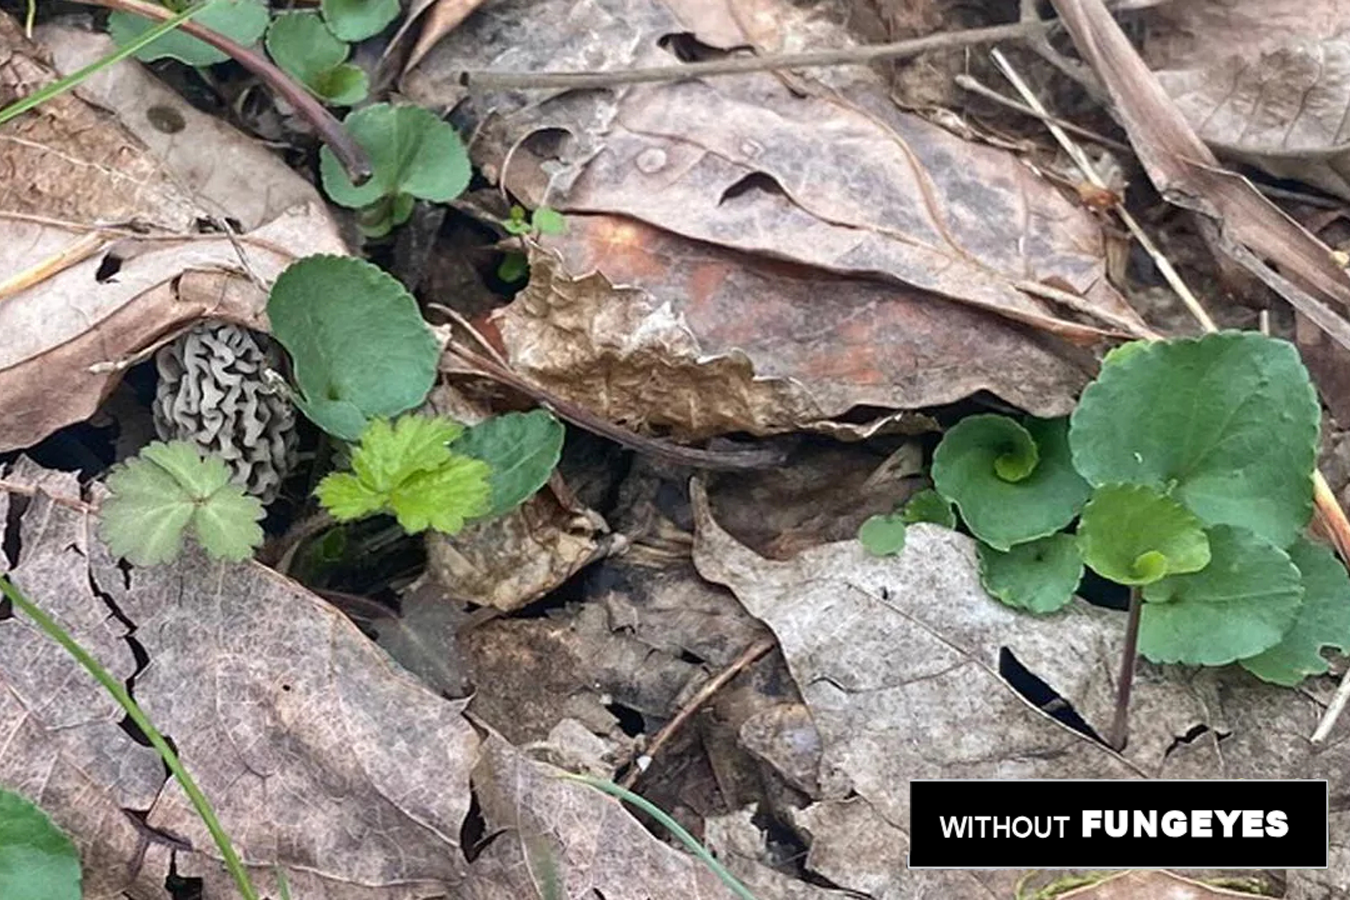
{"x": 302, "y": 44}
{"x": 414, "y": 155}
{"x": 38, "y": 861}
{"x": 243, "y": 21}
{"x": 515, "y": 265}
{"x": 169, "y": 490}
{"x": 1189, "y": 466}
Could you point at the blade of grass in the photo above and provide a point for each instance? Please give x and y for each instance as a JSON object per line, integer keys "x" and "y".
{"x": 42, "y": 95}
{"x": 119, "y": 692}
{"x": 670, "y": 825}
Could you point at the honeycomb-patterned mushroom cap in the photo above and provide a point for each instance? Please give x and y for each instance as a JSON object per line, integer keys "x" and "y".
{"x": 213, "y": 391}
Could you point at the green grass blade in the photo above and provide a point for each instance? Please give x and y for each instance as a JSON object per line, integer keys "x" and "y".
{"x": 42, "y": 95}
{"x": 119, "y": 693}
{"x": 671, "y": 825}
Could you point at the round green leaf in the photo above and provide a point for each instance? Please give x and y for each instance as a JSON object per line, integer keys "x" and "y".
{"x": 976, "y": 460}
{"x": 37, "y": 860}
{"x": 411, "y": 153}
{"x": 1239, "y": 605}
{"x": 1039, "y": 576}
{"x": 1226, "y": 424}
{"x": 356, "y": 20}
{"x": 930, "y": 506}
{"x": 883, "y": 535}
{"x": 1131, "y": 534}
{"x": 522, "y": 449}
{"x": 1323, "y": 620}
{"x": 244, "y": 21}
{"x": 301, "y": 44}
{"x": 358, "y": 344}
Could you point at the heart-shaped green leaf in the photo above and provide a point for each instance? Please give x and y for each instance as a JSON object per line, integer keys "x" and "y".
{"x": 412, "y": 154}
{"x": 1039, "y": 576}
{"x": 1227, "y": 424}
{"x": 356, "y": 20}
{"x": 1131, "y": 534}
{"x": 1323, "y": 620}
{"x": 930, "y": 506}
{"x": 302, "y": 45}
{"x": 1012, "y": 483}
{"x": 359, "y": 346}
{"x": 1239, "y": 605}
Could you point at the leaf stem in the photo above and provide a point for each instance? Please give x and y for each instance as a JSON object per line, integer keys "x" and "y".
{"x": 1120, "y": 725}
{"x": 353, "y": 158}
{"x": 124, "y": 699}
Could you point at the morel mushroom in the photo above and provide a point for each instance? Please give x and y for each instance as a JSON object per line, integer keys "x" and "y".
{"x": 213, "y": 391}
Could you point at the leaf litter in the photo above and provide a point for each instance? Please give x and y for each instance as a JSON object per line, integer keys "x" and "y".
{"x": 700, "y": 289}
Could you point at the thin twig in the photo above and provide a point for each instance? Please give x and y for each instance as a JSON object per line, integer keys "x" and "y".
{"x": 855, "y": 56}
{"x": 349, "y": 153}
{"x": 28, "y": 490}
{"x": 1089, "y": 171}
{"x": 975, "y": 86}
{"x": 1120, "y": 725}
{"x": 734, "y": 460}
{"x": 738, "y": 665}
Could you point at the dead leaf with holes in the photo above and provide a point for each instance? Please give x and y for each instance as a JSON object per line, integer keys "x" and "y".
{"x": 745, "y": 256}
{"x": 320, "y": 756}
{"x": 102, "y": 255}
{"x": 884, "y": 649}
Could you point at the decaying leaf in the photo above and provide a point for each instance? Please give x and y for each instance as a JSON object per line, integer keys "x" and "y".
{"x": 100, "y": 234}
{"x": 319, "y": 755}
{"x": 1263, "y": 83}
{"x": 885, "y": 649}
{"x": 815, "y": 250}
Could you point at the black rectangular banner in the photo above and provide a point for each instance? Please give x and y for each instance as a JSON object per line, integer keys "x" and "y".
{"x": 1143, "y": 824}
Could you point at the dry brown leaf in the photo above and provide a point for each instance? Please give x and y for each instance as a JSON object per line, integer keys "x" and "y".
{"x": 901, "y": 662}
{"x": 703, "y": 193}
{"x": 75, "y": 173}
{"x": 555, "y": 838}
{"x": 319, "y": 755}
{"x": 1265, "y": 82}
{"x": 700, "y": 341}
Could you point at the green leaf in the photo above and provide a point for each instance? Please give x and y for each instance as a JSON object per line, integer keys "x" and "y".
{"x": 37, "y": 860}
{"x": 226, "y": 524}
{"x": 243, "y": 21}
{"x": 408, "y": 470}
{"x": 1226, "y": 424}
{"x": 1012, "y": 483}
{"x": 1039, "y": 576}
{"x": 356, "y": 20}
{"x": 168, "y": 489}
{"x": 513, "y": 267}
{"x": 445, "y": 498}
{"x": 144, "y": 519}
{"x": 930, "y": 506}
{"x": 1323, "y": 620}
{"x": 883, "y": 535}
{"x": 359, "y": 346}
{"x": 412, "y": 153}
{"x": 1239, "y": 605}
{"x": 302, "y": 45}
{"x": 547, "y": 220}
{"x": 1133, "y": 535}
{"x": 522, "y": 449}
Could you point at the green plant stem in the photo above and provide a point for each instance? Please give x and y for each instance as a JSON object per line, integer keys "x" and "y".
{"x": 119, "y": 693}
{"x": 42, "y": 95}
{"x": 1120, "y": 725}
{"x": 670, "y": 824}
